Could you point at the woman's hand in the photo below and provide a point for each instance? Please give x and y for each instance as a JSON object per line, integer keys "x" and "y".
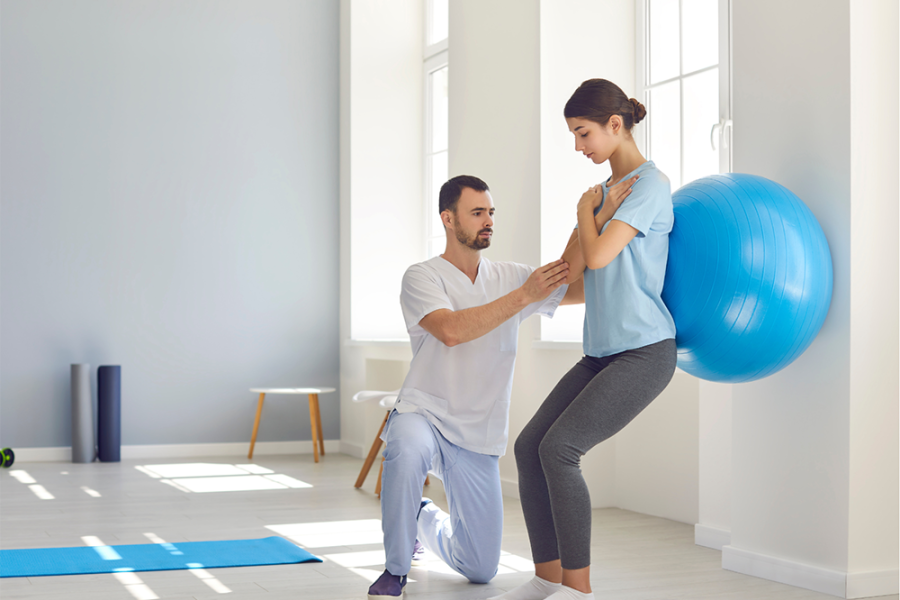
{"x": 614, "y": 199}
{"x": 591, "y": 198}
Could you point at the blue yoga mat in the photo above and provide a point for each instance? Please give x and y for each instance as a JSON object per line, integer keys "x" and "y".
{"x": 151, "y": 557}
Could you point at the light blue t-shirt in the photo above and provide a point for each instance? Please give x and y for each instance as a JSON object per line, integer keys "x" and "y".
{"x": 623, "y": 304}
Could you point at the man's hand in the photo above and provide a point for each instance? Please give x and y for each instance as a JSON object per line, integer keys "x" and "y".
{"x": 544, "y": 280}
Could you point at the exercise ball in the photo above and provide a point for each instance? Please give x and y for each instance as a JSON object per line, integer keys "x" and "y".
{"x": 749, "y": 277}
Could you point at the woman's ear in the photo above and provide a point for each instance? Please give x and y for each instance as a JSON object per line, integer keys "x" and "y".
{"x": 616, "y": 124}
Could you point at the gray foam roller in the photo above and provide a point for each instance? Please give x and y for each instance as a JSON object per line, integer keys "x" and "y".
{"x": 83, "y": 446}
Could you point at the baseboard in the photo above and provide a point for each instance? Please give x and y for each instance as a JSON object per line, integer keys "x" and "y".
{"x": 785, "y": 571}
{"x": 354, "y": 450}
{"x": 875, "y": 583}
{"x": 64, "y": 454}
{"x": 509, "y": 488}
{"x": 711, "y": 537}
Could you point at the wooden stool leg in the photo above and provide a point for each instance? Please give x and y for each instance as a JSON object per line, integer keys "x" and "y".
{"x": 427, "y": 480}
{"x": 315, "y": 399}
{"x": 378, "y": 485}
{"x": 312, "y": 423}
{"x": 373, "y": 452}
{"x": 259, "y": 406}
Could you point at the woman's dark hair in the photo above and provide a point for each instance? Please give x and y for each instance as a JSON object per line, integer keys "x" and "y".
{"x": 452, "y": 190}
{"x": 598, "y": 99}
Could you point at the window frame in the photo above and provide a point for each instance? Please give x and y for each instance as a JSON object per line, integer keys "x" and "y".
{"x": 435, "y": 57}
{"x": 721, "y": 132}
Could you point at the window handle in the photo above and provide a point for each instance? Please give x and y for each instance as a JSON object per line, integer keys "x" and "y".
{"x": 719, "y": 128}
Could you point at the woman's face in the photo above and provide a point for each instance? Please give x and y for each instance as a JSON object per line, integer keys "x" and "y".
{"x": 595, "y": 141}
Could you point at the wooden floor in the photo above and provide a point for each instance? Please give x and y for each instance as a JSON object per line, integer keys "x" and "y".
{"x": 634, "y": 556}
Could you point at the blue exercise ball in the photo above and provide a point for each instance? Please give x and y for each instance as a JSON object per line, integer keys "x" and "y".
{"x": 749, "y": 277}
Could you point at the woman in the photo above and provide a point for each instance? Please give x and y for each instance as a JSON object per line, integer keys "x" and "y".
{"x": 620, "y": 246}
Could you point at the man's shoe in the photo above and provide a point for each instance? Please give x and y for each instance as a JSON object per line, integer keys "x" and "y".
{"x": 418, "y": 553}
{"x": 387, "y": 587}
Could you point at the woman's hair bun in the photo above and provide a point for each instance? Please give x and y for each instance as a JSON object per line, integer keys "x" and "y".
{"x": 639, "y": 111}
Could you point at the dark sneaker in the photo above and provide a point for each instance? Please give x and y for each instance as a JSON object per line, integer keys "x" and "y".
{"x": 418, "y": 553}
{"x": 387, "y": 587}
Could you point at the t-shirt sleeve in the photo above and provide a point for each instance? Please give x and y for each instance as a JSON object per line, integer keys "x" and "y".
{"x": 643, "y": 205}
{"x": 421, "y": 294}
{"x": 546, "y": 307}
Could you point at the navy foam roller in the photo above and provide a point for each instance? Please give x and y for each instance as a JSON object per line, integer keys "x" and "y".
{"x": 83, "y": 448}
{"x": 109, "y": 400}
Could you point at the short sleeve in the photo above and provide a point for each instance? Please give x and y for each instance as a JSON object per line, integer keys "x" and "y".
{"x": 421, "y": 294}
{"x": 546, "y": 307}
{"x": 647, "y": 200}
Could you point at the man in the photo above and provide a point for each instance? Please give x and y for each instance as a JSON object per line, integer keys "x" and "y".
{"x": 462, "y": 312}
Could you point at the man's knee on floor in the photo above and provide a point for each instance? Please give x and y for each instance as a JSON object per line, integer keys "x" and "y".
{"x": 482, "y": 573}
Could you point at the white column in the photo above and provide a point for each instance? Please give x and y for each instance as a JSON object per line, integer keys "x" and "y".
{"x": 798, "y": 435}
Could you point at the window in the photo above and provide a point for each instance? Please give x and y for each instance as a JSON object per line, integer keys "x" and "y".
{"x": 683, "y": 57}
{"x": 679, "y": 70}
{"x": 437, "y": 111}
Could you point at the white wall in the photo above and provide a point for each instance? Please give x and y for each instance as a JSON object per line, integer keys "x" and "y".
{"x": 169, "y": 203}
{"x": 874, "y": 301}
{"x": 714, "y": 448}
{"x": 807, "y": 478}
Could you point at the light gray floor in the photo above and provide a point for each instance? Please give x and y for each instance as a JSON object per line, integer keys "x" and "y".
{"x": 634, "y": 556}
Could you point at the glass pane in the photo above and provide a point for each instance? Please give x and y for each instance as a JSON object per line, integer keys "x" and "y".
{"x": 438, "y": 177}
{"x": 440, "y": 21}
{"x": 663, "y": 37}
{"x": 701, "y": 112}
{"x": 440, "y": 110}
{"x": 664, "y": 123}
{"x": 700, "y": 25}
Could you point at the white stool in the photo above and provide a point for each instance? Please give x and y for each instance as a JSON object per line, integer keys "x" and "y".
{"x": 315, "y": 417}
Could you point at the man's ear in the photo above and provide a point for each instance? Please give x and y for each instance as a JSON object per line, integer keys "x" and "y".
{"x": 446, "y": 219}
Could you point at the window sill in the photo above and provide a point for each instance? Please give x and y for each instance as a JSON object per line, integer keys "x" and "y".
{"x": 556, "y": 345}
{"x": 377, "y": 343}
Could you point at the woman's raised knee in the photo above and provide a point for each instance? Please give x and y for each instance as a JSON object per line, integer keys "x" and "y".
{"x": 526, "y": 449}
{"x": 555, "y": 451}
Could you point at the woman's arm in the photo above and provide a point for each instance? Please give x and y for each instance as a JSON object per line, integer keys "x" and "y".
{"x": 598, "y": 250}
{"x": 574, "y": 293}
{"x": 573, "y": 256}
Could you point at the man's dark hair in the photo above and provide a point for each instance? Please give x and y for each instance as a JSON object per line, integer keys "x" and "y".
{"x": 452, "y": 190}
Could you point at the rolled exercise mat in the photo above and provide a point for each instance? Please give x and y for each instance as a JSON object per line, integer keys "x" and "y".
{"x": 83, "y": 445}
{"x": 109, "y": 400}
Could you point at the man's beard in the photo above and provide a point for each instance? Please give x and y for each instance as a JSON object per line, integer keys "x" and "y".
{"x": 475, "y": 242}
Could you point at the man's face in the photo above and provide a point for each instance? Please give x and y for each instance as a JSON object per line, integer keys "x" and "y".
{"x": 473, "y": 221}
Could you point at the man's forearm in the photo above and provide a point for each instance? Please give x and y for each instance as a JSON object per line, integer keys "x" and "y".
{"x": 461, "y": 326}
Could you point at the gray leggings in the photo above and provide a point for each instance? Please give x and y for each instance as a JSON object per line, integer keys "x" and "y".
{"x": 593, "y": 401}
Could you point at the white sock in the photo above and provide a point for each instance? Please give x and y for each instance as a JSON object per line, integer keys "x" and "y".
{"x": 536, "y": 589}
{"x": 567, "y": 593}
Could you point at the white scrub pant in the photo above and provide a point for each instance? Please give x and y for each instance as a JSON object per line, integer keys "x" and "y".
{"x": 468, "y": 539}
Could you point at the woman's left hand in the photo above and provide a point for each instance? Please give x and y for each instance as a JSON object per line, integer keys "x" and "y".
{"x": 591, "y": 198}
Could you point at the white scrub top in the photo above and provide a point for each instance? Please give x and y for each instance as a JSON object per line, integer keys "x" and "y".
{"x": 464, "y": 390}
